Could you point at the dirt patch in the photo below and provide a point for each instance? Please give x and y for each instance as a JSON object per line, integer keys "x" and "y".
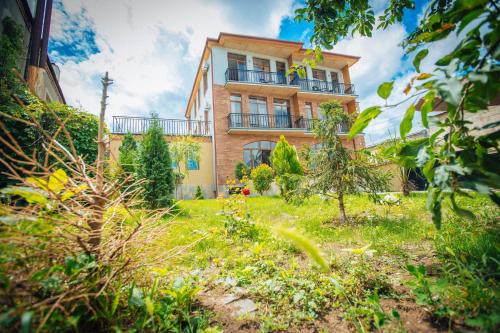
{"x": 414, "y": 317}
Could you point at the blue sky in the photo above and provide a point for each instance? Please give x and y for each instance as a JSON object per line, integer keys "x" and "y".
{"x": 152, "y": 49}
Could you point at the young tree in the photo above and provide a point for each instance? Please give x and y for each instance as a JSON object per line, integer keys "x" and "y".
{"x": 336, "y": 171}
{"x": 466, "y": 79}
{"x": 182, "y": 149}
{"x": 198, "y": 195}
{"x": 155, "y": 168}
{"x": 262, "y": 177}
{"x": 285, "y": 164}
{"x": 127, "y": 160}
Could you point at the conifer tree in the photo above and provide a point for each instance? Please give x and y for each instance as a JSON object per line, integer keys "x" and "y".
{"x": 127, "y": 161}
{"x": 155, "y": 168}
{"x": 286, "y": 165}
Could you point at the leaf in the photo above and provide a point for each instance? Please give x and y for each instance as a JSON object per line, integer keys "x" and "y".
{"x": 57, "y": 181}
{"x": 427, "y": 107}
{"x": 423, "y": 76}
{"x": 70, "y": 193}
{"x": 460, "y": 211}
{"x": 31, "y": 195}
{"x": 305, "y": 245}
{"x": 418, "y": 58}
{"x": 385, "y": 89}
{"x": 363, "y": 120}
{"x": 407, "y": 89}
{"x": 406, "y": 123}
{"x": 26, "y": 321}
{"x": 150, "y": 307}
{"x": 434, "y": 205}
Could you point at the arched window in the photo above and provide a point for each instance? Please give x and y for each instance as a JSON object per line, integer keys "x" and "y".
{"x": 258, "y": 152}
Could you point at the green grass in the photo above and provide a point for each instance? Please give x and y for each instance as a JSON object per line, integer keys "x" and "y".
{"x": 291, "y": 289}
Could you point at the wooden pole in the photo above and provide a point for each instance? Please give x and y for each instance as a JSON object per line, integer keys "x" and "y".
{"x": 99, "y": 201}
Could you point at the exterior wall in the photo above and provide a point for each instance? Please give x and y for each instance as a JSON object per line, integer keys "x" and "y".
{"x": 229, "y": 147}
{"x": 202, "y": 177}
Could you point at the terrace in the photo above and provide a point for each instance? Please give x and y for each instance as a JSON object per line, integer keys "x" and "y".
{"x": 140, "y": 125}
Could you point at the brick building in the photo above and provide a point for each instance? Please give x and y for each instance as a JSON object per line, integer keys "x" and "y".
{"x": 242, "y": 101}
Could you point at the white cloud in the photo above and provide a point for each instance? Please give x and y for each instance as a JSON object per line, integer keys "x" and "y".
{"x": 150, "y": 48}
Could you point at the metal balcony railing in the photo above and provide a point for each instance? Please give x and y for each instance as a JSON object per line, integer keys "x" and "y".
{"x": 140, "y": 125}
{"x": 280, "y": 78}
{"x": 255, "y": 76}
{"x": 326, "y": 87}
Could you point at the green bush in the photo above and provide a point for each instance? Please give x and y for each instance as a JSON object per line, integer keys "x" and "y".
{"x": 155, "y": 168}
{"x": 241, "y": 170}
{"x": 198, "y": 195}
{"x": 285, "y": 162}
{"x": 262, "y": 177}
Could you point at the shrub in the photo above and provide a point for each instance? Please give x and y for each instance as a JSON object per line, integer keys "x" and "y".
{"x": 238, "y": 221}
{"x": 198, "y": 195}
{"x": 284, "y": 161}
{"x": 262, "y": 177}
{"x": 241, "y": 170}
{"x": 127, "y": 160}
{"x": 155, "y": 168}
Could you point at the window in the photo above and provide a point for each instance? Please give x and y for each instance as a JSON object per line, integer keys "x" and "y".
{"x": 335, "y": 77}
{"x": 259, "y": 152}
{"x": 258, "y": 112}
{"x": 261, "y": 65}
{"x": 205, "y": 83}
{"x": 237, "y": 66}
{"x": 235, "y": 117}
{"x": 174, "y": 164}
{"x": 319, "y": 74}
{"x": 282, "y": 113}
{"x": 309, "y": 116}
{"x": 192, "y": 163}
{"x": 281, "y": 72}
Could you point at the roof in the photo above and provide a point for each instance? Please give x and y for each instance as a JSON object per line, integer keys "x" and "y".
{"x": 262, "y": 45}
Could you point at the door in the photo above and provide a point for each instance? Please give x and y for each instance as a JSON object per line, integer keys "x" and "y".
{"x": 282, "y": 113}
{"x": 319, "y": 80}
{"x": 309, "y": 116}
{"x": 262, "y": 69}
{"x": 258, "y": 112}
{"x": 237, "y": 67}
{"x": 280, "y": 72}
{"x": 335, "y": 82}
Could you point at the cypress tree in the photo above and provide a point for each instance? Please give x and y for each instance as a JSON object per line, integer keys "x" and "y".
{"x": 155, "y": 168}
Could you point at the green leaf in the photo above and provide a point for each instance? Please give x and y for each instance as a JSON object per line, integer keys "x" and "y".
{"x": 418, "y": 58}
{"x": 434, "y": 205}
{"x": 460, "y": 211}
{"x": 31, "y": 195}
{"x": 305, "y": 245}
{"x": 406, "y": 123}
{"x": 26, "y": 321}
{"x": 385, "y": 89}
{"x": 363, "y": 120}
{"x": 427, "y": 107}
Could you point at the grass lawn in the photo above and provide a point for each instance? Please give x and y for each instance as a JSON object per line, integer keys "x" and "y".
{"x": 368, "y": 286}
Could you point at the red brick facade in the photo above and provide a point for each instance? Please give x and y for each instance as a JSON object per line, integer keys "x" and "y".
{"x": 229, "y": 147}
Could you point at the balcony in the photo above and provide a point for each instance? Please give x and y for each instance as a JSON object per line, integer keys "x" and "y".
{"x": 140, "y": 125}
{"x": 241, "y": 123}
{"x": 272, "y": 82}
{"x": 260, "y": 81}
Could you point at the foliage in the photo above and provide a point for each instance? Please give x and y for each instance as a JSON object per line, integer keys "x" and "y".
{"x": 237, "y": 221}
{"x": 398, "y": 152}
{"x": 241, "y": 170}
{"x": 80, "y": 126}
{"x": 262, "y": 177}
{"x": 198, "y": 195}
{"x": 466, "y": 80}
{"x": 468, "y": 284}
{"x": 155, "y": 169}
{"x": 285, "y": 163}
{"x": 182, "y": 149}
{"x": 126, "y": 170}
{"x": 336, "y": 171}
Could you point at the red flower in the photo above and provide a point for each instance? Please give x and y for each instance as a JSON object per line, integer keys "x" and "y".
{"x": 246, "y": 191}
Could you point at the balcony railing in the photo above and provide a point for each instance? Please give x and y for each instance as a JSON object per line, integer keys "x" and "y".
{"x": 253, "y": 76}
{"x": 140, "y": 125}
{"x": 326, "y": 87}
{"x": 279, "y": 78}
{"x": 271, "y": 121}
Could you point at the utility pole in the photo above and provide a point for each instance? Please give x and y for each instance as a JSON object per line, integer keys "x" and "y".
{"x": 101, "y": 145}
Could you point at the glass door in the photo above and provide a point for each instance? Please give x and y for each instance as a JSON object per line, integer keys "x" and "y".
{"x": 263, "y": 70}
{"x": 280, "y": 72}
{"x": 258, "y": 112}
{"x": 237, "y": 66}
{"x": 282, "y": 113}
{"x": 335, "y": 82}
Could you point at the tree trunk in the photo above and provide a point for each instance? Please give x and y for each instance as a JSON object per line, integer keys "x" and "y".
{"x": 342, "y": 215}
{"x": 405, "y": 181}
